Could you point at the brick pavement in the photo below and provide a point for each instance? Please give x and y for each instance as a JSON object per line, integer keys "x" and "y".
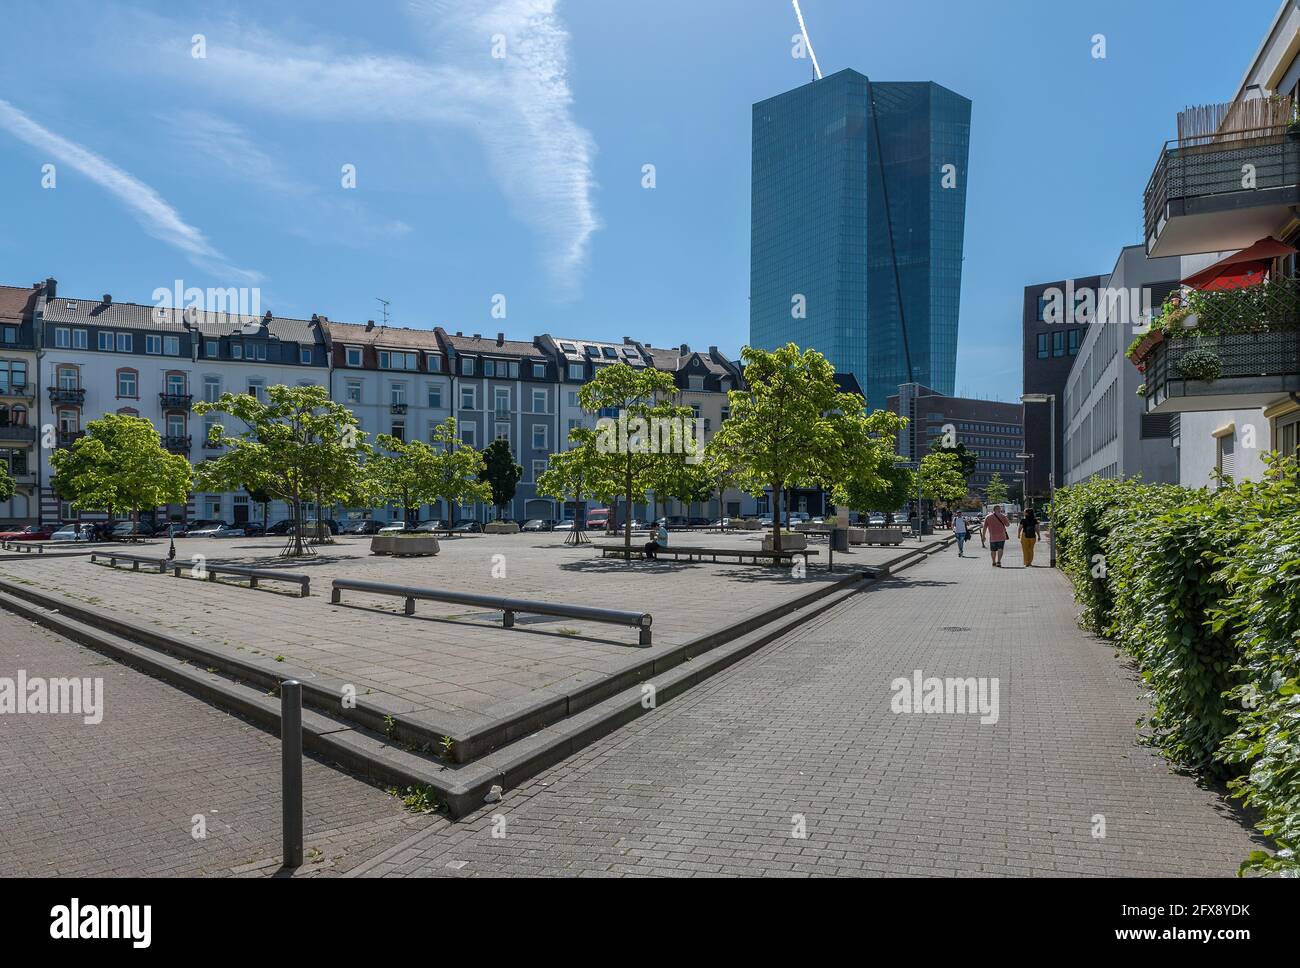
{"x": 118, "y": 797}
{"x": 713, "y": 782}
{"x": 453, "y": 660}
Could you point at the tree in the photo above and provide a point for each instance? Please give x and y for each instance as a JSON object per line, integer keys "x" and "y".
{"x": 941, "y": 478}
{"x": 299, "y": 443}
{"x": 458, "y": 469}
{"x": 406, "y": 472}
{"x": 501, "y": 473}
{"x": 968, "y": 459}
{"x": 263, "y": 497}
{"x": 793, "y": 426}
{"x": 997, "y": 490}
{"x": 574, "y": 473}
{"x": 649, "y": 432}
{"x": 886, "y": 488}
{"x": 8, "y": 486}
{"x": 120, "y": 464}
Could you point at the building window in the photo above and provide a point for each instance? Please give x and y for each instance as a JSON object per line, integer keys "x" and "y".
{"x": 80, "y": 340}
{"x": 539, "y": 401}
{"x": 69, "y": 378}
{"x": 539, "y": 468}
{"x": 501, "y": 400}
{"x": 575, "y": 371}
{"x": 212, "y": 388}
{"x": 354, "y": 391}
{"x": 62, "y": 338}
{"x": 389, "y": 360}
{"x": 539, "y": 436}
{"x": 490, "y": 368}
{"x": 105, "y": 342}
{"x": 172, "y": 345}
{"x": 1058, "y": 343}
{"x": 256, "y": 390}
{"x": 397, "y": 394}
{"x": 125, "y": 342}
{"x": 468, "y": 434}
{"x": 434, "y": 362}
{"x": 213, "y": 349}
{"x": 152, "y": 343}
{"x": 696, "y": 382}
{"x": 128, "y": 384}
{"x": 304, "y": 355}
{"x": 176, "y": 384}
{"x": 467, "y": 398}
{"x": 176, "y": 425}
{"x": 399, "y": 429}
{"x": 1074, "y": 342}
{"x": 514, "y": 370}
{"x": 1227, "y": 458}
{"x": 467, "y": 366}
{"x": 236, "y": 351}
{"x": 1042, "y": 346}
{"x": 539, "y": 371}
{"x": 354, "y": 355}
{"x": 435, "y": 396}
{"x": 13, "y": 376}
{"x": 502, "y": 431}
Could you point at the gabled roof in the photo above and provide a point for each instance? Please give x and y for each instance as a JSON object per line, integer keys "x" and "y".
{"x": 396, "y": 337}
{"x": 17, "y": 303}
{"x": 95, "y": 312}
{"x": 488, "y": 346}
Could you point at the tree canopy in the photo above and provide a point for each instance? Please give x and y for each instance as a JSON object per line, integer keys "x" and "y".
{"x": 501, "y": 473}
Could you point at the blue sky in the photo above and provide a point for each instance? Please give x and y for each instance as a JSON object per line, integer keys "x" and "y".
{"x": 522, "y": 175}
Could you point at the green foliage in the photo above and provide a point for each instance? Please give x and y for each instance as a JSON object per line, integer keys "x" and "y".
{"x": 1202, "y": 589}
{"x": 501, "y": 473}
{"x": 411, "y": 473}
{"x": 886, "y": 488}
{"x": 997, "y": 490}
{"x": 7, "y": 484}
{"x": 968, "y": 459}
{"x": 120, "y": 464}
{"x": 942, "y": 478}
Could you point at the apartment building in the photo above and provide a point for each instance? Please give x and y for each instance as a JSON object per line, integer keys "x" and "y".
{"x": 991, "y": 429}
{"x": 1108, "y": 432}
{"x": 1223, "y": 198}
{"x": 19, "y": 412}
{"x": 98, "y": 356}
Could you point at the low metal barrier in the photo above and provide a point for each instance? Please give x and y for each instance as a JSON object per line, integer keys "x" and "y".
{"x": 508, "y": 606}
{"x": 136, "y": 560}
{"x": 211, "y": 571}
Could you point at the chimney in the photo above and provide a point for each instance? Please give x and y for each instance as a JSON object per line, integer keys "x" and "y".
{"x": 268, "y": 317}
{"x": 686, "y": 350}
{"x": 501, "y": 339}
{"x": 459, "y": 333}
{"x": 370, "y": 325}
{"x": 478, "y": 335}
{"x": 108, "y": 299}
{"x": 51, "y": 287}
{"x": 627, "y": 340}
{"x": 713, "y": 352}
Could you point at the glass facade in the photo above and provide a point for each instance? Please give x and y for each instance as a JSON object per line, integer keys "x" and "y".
{"x": 855, "y": 213}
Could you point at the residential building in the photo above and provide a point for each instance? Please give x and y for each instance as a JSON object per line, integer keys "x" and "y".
{"x": 99, "y": 356}
{"x": 1055, "y": 319}
{"x": 19, "y": 406}
{"x": 1108, "y": 432}
{"x": 1229, "y": 180}
{"x": 992, "y": 430}
{"x": 857, "y": 222}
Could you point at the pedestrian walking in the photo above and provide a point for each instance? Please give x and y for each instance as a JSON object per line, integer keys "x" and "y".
{"x": 1028, "y": 536}
{"x": 995, "y": 526}
{"x": 962, "y": 531}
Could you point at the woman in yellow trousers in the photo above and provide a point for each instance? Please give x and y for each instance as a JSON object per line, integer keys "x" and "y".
{"x": 1028, "y": 536}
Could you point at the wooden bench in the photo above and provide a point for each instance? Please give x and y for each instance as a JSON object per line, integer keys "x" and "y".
{"x": 755, "y": 555}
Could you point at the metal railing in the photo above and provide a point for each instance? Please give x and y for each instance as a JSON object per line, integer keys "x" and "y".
{"x": 11, "y": 431}
{"x": 71, "y": 395}
{"x": 135, "y": 560}
{"x": 175, "y": 401}
{"x": 507, "y": 606}
{"x": 66, "y": 438}
{"x": 1241, "y": 355}
{"x": 1197, "y": 168}
{"x": 210, "y": 572}
{"x": 178, "y": 443}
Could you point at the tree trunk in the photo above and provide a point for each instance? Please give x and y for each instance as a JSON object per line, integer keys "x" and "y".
{"x": 776, "y": 515}
{"x": 627, "y": 512}
{"x": 297, "y": 522}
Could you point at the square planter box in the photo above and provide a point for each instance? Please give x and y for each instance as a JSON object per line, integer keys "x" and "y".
{"x": 400, "y": 545}
{"x": 857, "y": 536}
{"x": 789, "y": 541}
{"x": 500, "y": 527}
{"x": 884, "y": 536}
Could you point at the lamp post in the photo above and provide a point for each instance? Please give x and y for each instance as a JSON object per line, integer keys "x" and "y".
{"x": 1026, "y": 474}
{"x": 1050, "y": 400}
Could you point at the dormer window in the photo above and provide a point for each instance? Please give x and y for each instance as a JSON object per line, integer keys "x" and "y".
{"x": 610, "y": 352}
{"x": 354, "y": 355}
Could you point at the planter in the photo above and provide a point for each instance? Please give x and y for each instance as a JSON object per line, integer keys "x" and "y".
{"x": 501, "y": 527}
{"x": 790, "y": 541}
{"x": 884, "y": 536}
{"x": 857, "y": 536}
{"x": 1149, "y": 342}
{"x": 746, "y": 524}
{"x": 402, "y": 545}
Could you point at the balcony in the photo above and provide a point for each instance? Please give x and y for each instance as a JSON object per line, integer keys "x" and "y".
{"x": 1247, "y": 352}
{"x": 175, "y": 401}
{"x": 22, "y": 392}
{"x": 66, "y": 438}
{"x": 397, "y": 408}
{"x": 76, "y": 396}
{"x": 1222, "y": 188}
{"x": 17, "y": 434}
{"x": 177, "y": 443}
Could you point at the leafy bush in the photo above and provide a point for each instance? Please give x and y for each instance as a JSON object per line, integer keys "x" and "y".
{"x": 1081, "y": 536}
{"x": 1201, "y": 364}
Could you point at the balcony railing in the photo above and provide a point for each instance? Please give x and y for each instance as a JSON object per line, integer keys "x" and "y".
{"x": 70, "y": 395}
{"x": 397, "y": 408}
{"x": 66, "y": 438}
{"x": 17, "y": 432}
{"x": 175, "y": 401}
{"x": 178, "y": 443}
{"x": 1255, "y": 370}
{"x": 22, "y": 392}
{"x": 1225, "y": 175}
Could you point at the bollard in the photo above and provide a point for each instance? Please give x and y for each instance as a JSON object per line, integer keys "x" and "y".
{"x": 291, "y": 770}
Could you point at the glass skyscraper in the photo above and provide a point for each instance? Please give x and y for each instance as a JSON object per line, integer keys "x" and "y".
{"x": 856, "y": 228}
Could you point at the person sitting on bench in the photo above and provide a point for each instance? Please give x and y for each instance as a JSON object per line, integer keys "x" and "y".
{"x": 660, "y": 540}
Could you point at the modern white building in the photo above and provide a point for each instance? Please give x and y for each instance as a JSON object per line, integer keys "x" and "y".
{"x": 1108, "y": 432}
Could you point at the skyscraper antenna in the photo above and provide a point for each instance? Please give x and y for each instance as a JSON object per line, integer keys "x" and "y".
{"x": 384, "y": 304}
{"x": 803, "y": 29}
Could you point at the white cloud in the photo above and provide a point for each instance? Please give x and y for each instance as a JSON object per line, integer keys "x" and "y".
{"x": 520, "y": 105}
{"x": 149, "y": 208}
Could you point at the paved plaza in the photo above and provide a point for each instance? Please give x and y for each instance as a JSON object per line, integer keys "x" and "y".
{"x": 452, "y": 661}
{"x": 800, "y": 738}
{"x": 120, "y": 797}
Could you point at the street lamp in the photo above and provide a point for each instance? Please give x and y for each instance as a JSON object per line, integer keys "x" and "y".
{"x": 1050, "y": 400}
{"x": 1026, "y": 473}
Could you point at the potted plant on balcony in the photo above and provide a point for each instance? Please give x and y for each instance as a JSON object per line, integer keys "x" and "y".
{"x": 1200, "y": 364}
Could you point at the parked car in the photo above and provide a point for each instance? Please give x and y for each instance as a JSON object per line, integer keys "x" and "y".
{"x": 673, "y": 521}
{"x": 697, "y": 522}
{"x": 311, "y": 526}
{"x": 598, "y": 519}
{"x": 466, "y": 526}
{"x": 33, "y": 532}
{"x": 566, "y": 525}
{"x": 538, "y": 524}
{"x": 217, "y": 531}
{"x": 185, "y": 530}
{"x": 128, "y": 529}
{"x": 722, "y": 523}
{"x": 366, "y": 526}
{"x": 283, "y": 526}
{"x": 876, "y": 519}
{"x": 432, "y": 526}
{"x": 83, "y": 531}
{"x": 252, "y": 529}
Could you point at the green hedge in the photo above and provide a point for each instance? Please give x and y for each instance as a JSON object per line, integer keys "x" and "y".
{"x": 1202, "y": 589}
